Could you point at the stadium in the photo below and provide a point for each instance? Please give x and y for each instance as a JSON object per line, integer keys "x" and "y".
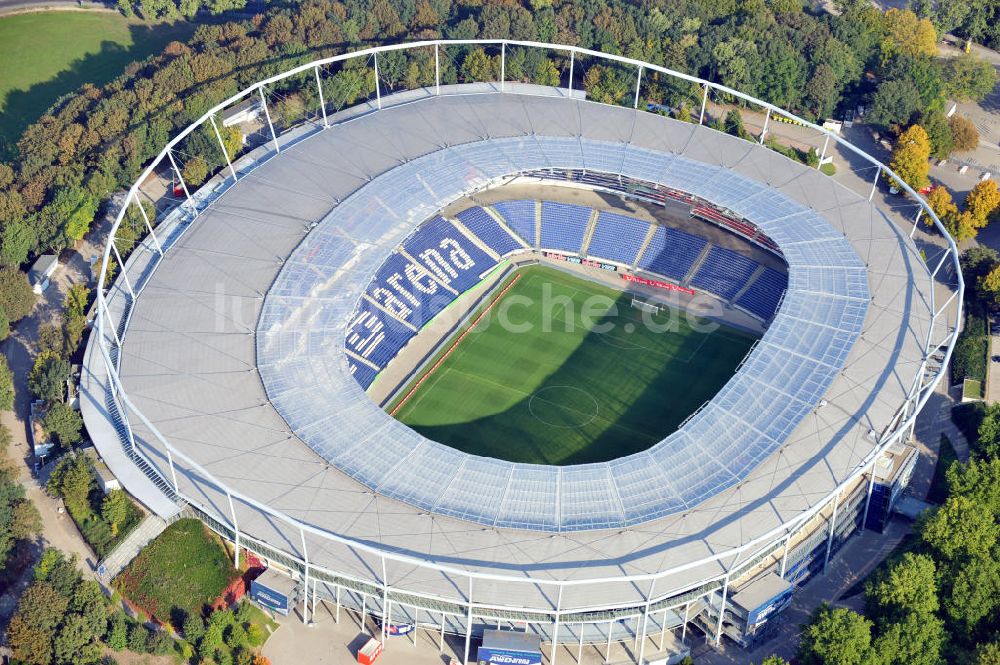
{"x": 309, "y": 353}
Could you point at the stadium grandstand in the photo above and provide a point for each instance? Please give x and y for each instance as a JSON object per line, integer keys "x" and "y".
{"x": 246, "y": 355}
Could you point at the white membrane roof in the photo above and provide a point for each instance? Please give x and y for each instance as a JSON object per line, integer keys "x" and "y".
{"x": 209, "y": 330}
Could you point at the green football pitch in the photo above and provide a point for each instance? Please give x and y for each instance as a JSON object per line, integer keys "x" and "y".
{"x": 536, "y": 381}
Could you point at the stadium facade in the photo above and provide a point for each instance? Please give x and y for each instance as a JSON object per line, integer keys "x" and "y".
{"x": 226, "y": 373}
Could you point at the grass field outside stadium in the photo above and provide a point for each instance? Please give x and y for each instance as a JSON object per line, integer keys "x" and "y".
{"x": 563, "y": 370}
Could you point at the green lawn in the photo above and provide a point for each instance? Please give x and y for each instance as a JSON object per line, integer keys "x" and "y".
{"x": 97, "y": 531}
{"x": 589, "y": 393}
{"x": 44, "y": 55}
{"x": 181, "y": 571}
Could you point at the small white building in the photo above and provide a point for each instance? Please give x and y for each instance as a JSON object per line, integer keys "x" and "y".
{"x": 246, "y": 111}
{"x": 105, "y": 479}
{"x": 41, "y": 271}
{"x": 41, "y": 444}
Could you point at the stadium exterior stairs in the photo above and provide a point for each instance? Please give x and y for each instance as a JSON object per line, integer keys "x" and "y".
{"x": 128, "y": 549}
{"x": 696, "y": 266}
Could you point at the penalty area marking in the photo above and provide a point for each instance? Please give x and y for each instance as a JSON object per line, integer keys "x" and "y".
{"x": 454, "y": 344}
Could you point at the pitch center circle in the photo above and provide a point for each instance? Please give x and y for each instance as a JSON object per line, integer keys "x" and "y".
{"x": 565, "y": 407}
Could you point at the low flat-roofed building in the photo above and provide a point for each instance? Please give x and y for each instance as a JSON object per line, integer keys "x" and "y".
{"x": 42, "y": 269}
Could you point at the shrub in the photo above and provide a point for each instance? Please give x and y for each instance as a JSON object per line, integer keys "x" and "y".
{"x": 194, "y": 627}
{"x": 138, "y": 638}
{"x": 117, "y": 635}
{"x": 969, "y": 360}
{"x": 160, "y": 643}
{"x": 236, "y": 636}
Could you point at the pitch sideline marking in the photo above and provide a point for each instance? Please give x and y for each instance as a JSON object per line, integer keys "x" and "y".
{"x": 454, "y": 344}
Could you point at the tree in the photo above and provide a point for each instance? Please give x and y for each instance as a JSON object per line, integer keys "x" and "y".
{"x": 733, "y": 124}
{"x": 774, "y": 660}
{"x": 895, "y": 102}
{"x": 39, "y": 613}
{"x": 29, "y": 644}
{"x": 939, "y": 132}
{"x": 16, "y": 297}
{"x": 64, "y": 422}
{"x": 962, "y": 226}
{"x": 47, "y": 379}
{"x": 959, "y": 528}
{"x": 940, "y": 201}
{"x": 114, "y": 509}
{"x": 988, "y": 286}
{"x": 913, "y": 640}
{"x": 970, "y": 78}
{"x": 74, "y": 209}
{"x": 910, "y": 157}
{"x": 18, "y": 241}
{"x": 195, "y": 171}
{"x": 76, "y": 300}
{"x": 988, "y": 654}
{"x": 194, "y": 628}
{"x": 822, "y": 90}
{"x": 117, "y": 635}
{"x": 72, "y": 479}
{"x": 907, "y": 35}
{"x": 974, "y": 595}
{"x": 76, "y": 643}
{"x": 26, "y": 522}
{"x": 138, "y": 638}
{"x": 479, "y": 67}
{"x": 908, "y": 587}
{"x": 983, "y": 200}
{"x": 964, "y": 134}
{"x": 88, "y": 601}
{"x": 836, "y": 636}
{"x": 6, "y": 385}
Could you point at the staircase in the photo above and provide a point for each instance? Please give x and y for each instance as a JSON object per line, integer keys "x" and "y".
{"x": 118, "y": 558}
{"x": 124, "y": 435}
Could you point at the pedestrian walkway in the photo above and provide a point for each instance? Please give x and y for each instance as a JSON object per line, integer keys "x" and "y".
{"x": 128, "y": 549}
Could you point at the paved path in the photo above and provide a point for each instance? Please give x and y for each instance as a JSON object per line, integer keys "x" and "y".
{"x": 58, "y": 529}
{"x": 18, "y": 6}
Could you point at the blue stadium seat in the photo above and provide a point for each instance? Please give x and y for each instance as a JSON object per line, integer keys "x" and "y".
{"x": 564, "y": 226}
{"x": 724, "y": 272}
{"x": 617, "y": 238}
{"x": 374, "y": 335}
{"x": 450, "y": 255}
{"x": 520, "y": 217}
{"x": 362, "y": 373}
{"x": 486, "y": 229}
{"x": 408, "y": 291}
{"x": 764, "y": 294}
{"x": 671, "y": 253}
